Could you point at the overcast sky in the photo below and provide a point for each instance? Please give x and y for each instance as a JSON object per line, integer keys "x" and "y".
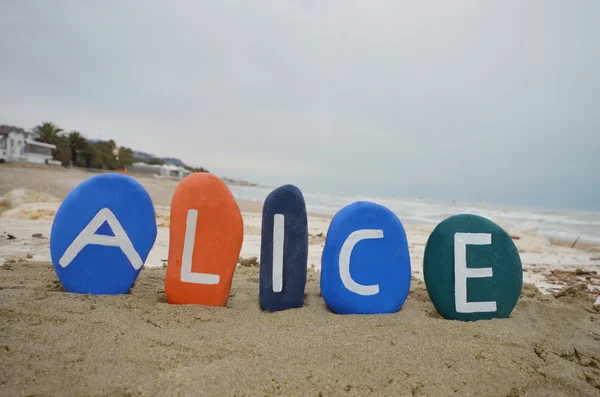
{"x": 494, "y": 101}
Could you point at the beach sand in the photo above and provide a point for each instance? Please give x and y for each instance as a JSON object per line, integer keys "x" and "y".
{"x": 56, "y": 343}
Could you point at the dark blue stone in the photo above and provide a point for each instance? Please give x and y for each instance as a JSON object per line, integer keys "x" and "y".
{"x": 96, "y": 268}
{"x": 288, "y": 201}
{"x": 378, "y": 276}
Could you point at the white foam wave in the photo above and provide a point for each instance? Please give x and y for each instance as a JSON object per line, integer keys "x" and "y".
{"x": 558, "y": 224}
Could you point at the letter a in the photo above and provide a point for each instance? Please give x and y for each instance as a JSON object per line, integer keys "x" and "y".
{"x": 88, "y": 236}
{"x": 92, "y": 251}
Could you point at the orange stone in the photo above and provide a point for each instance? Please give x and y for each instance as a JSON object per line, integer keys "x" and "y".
{"x": 206, "y": 234}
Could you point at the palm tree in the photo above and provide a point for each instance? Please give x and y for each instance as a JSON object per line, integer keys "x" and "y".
{"x": 112, "y": 145}
{"x": 77, "y": 143}
{"x": 89, "y": 153}
{"x": 125, "y": 157}
{"x": 47, "y": 132}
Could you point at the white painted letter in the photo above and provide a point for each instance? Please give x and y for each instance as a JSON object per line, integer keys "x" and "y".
{"x": 88, "y": 236}
{"x": 278, "y": 234}
{"x": 188, "y": 250}
{"x": 345, "y": 253}
{"x": 461, "y": 272}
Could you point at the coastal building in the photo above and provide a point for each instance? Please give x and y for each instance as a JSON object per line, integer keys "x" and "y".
{"x": 163, "y": 171}
{"x": 16, "y": 144}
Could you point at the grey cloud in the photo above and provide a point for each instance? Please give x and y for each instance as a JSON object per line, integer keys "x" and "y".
{"x": 465, "y": 100}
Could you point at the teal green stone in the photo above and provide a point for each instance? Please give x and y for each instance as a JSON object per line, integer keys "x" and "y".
{"x": 439, "y": 269}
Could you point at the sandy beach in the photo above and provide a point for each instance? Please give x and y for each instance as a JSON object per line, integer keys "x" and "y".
{"x": 55, "y": 343}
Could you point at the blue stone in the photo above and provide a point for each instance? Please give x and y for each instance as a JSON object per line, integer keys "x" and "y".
{"x": 105, "y": 230}
{"x": 365, "y": 266}
{"x": 102, "y": 234}
{"x": 284, "y": 250}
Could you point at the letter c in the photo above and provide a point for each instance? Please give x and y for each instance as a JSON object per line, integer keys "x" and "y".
{"x": 346, "y": 251}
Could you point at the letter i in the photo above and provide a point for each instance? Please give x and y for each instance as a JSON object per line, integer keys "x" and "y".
{"x": 284, "y": 250}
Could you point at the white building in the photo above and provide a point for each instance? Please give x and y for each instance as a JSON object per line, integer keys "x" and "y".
{"x": 175, "y": 172}
{"x": 16, "y": 144}
{"x": 164, "y": 171}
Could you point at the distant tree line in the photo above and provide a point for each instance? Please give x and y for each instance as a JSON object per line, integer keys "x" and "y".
{"x": 73, "y": 148}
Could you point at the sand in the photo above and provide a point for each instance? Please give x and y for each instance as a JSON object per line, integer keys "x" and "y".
{"x": 56, "y": 343}
{"x": 59, "y": 181}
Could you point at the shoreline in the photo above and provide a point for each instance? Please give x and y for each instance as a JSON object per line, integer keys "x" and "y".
{"x": 549, "y": 264}
{"x": 153, "y": 185}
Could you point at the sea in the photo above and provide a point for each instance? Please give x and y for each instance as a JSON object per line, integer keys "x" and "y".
{"x": 559, "y": 224}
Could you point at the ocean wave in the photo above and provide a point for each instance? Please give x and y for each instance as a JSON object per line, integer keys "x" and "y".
{"x": 559, "y": 224}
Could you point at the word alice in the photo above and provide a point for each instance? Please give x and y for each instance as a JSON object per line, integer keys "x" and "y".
{"x": 105, "y": 228}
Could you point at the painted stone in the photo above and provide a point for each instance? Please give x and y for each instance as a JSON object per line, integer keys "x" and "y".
{"x": 206, "y": 234}
{"x": 365, "y": 266}
{"x": 472, "y": 269}
{"x": 102, "y": 234}
{"x": 284, "y": 250}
